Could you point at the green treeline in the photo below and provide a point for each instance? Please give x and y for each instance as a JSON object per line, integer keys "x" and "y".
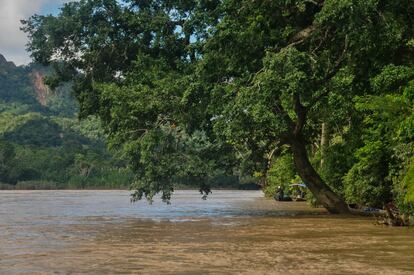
{"x": 42, "y": 143}
{"x": 280, "y": 90}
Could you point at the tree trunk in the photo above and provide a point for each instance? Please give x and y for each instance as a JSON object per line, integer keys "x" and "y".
{"x": 325, "y": 196}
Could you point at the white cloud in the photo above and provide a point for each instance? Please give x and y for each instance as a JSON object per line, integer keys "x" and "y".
{"x": 12, "y": 40}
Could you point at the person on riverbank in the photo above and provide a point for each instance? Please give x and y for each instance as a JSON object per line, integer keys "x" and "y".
{"x": 279, "y": 194}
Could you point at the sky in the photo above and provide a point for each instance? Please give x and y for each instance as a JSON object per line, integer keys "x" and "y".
{"x": 12, "y": 40}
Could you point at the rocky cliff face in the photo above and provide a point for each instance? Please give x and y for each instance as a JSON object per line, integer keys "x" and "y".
{"x": 41, "y": 89}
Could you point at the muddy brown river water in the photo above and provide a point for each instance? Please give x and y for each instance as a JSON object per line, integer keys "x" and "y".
{"x": 232, "y": 232}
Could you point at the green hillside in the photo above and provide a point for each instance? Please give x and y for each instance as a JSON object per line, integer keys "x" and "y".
{"x": 43, "y": 144}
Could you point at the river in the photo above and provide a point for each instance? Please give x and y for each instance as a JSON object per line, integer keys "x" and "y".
{"x": 100, "y": 232}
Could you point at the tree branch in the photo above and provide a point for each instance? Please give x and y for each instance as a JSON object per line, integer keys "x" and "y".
{"x": 302, "y": 35}
{"x": 301, "y": 113}
{"x": 331, "y": 73}
{"x": 305, "y": 33}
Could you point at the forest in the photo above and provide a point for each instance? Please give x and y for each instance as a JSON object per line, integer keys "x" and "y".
{"x": 42, "y": 143}
{"x": 313, "y": 91}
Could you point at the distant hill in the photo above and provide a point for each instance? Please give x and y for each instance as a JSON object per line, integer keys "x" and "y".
{"x": 42, "y": 143}
{"x": 22, "y": 88}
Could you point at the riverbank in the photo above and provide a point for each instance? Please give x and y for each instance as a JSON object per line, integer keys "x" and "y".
{"x": 38, "y": 185}
{"x": 52, "y": 186}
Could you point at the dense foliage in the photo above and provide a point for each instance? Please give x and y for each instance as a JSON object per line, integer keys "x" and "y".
{"x": 231, "y": 84}
{"x": 42, "y": 143}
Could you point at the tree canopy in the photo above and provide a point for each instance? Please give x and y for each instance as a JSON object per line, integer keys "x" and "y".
{"x": 197, "y": 81}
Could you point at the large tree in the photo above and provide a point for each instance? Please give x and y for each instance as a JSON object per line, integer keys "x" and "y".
{"x": 259, "y": 74}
